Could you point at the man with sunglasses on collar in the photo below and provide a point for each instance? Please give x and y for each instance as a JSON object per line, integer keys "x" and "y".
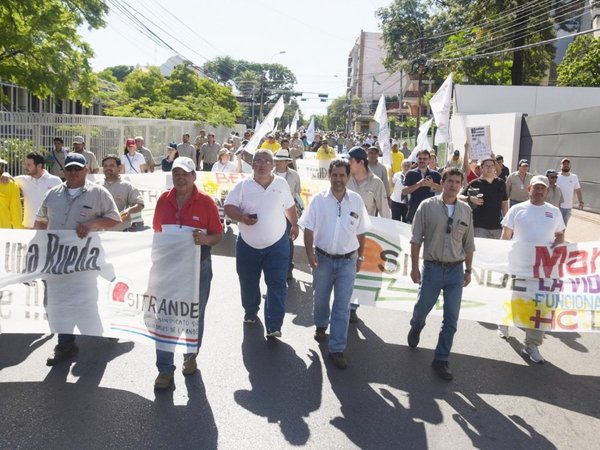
{"x": 443, "y": 225}
{"x": 84, "y": 207}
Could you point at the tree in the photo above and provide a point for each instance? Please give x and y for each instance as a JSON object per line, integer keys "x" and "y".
{"x": 222, "y": 69}
{"x": 41, "y": 50}
{"x": 581, "y": 64}
{"x": 120, "y": 72}
{"x": 337, "y": 111}
{"x": 145, "y": 83}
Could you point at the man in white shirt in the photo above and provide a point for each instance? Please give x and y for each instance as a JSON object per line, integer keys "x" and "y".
{"x": 334, "y": 237}
{"x": 261, "y": 204}
{"x": 539, "y": 223}
{"x": 34, "y": 184}
{"x": 569, "y": 185}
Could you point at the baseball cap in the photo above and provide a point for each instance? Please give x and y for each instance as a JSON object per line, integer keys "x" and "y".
{"x": 551, "y": 172}
{"x": 499, "y": 158}
{"x": 130, "y": 141}
{"x": 539, "y": 179}
{"x": 282, "y": 155}
{"x": 184, "y": 163}
{"x": 523, "y": 162}
{"x": 564, "y": 159}
{"x": 78, "y": 140}
{"x": 75, "y": 159}
{"x": 172, "y": 145}
{"x": 357, "y": 153}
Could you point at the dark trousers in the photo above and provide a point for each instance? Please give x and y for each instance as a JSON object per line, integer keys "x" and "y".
{"x": 399, "y": 211}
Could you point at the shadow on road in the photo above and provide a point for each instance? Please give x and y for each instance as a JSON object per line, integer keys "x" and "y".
{"x": 21, "y": 346}
{"x": 57, "y": 414}
{"x": 284, "y": 390}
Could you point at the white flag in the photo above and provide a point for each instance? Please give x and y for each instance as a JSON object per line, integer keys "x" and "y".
{"x": 294, "y": 124}
{"x": 383, "y": 135}
{"x": 310, "y": 131}
{"x": 287, "y": 129}
{"x": 422, "y": 140}
{"x": 257, "y": 124}
{"x": 268, "y": 124}
{"x": 440, "y": 107}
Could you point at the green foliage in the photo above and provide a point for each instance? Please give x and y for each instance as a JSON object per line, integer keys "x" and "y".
{"x": 120, "y": 72}
{"x": 337, "y": 111}
{"x": 581, "y": 64}
{"x": 14, "y": 150}
{"x": 184, "y": 96}
{"x": 417, "y": 32}
{"x": 41, "y": 50}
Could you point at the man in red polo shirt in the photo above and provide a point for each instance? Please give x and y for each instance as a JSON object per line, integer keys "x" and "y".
{"x": 185, "y": 207}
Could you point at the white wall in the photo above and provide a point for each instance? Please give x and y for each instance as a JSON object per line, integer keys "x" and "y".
{"x": 374, "y": 52}
{"x": 531, "y": 100}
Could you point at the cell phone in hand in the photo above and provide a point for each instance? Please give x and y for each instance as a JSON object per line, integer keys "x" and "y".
{"x": 253, "y": 216}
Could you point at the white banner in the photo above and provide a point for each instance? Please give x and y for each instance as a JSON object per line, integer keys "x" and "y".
{"x": 512, "y": 283}
{"x": 267, "y": 125}
{"x": 384, "y": 130}
{"x": 136, "y": 286}
{"x": 440, "y": 108}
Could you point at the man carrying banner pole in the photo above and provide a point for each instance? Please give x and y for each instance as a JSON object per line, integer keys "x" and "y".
{"x": 76, "y": 205}
{"x": 539, "y": 223}
{"x": 185, "y": 206}
{"x": 444, "y": 226}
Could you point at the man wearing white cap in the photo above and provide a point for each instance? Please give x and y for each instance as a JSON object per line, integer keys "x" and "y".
{"x": 282, "y": 159}
{"x": 186, "y": 206}
{"x": 539, "y": 223}
{"x": 80, "y": 205}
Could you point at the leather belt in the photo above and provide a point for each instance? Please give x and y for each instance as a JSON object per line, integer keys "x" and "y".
{"x": 324, "y": 253}
{"x": 445, "y": 265}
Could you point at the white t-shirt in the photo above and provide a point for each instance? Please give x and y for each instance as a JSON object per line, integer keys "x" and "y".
{"x": 268, "y": 204}
{"x": 336, "y": 224}
{"x": 398, "y": 182}
{"x": 567, "y": 184}
{"x": 227, "y": 167}
{"x": 132, "y": 164}
{"x": 536, "y": 224}
{"x": 34, "y": 191}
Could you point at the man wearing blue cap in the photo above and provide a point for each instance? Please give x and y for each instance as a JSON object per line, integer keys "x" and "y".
{"x": 79, "y": 205}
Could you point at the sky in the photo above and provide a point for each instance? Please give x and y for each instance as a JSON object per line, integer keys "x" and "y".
{"x": 316, "y": 37}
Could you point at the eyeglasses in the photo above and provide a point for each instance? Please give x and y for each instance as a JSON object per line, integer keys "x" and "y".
{"x": 73, "y": 169}
{"x": 262, "y": 161}
{"x": 449, "y": 226}
{"x": 488, "y": 166}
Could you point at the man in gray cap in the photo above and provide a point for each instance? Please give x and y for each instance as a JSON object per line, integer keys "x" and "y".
{"x": 555, "y": 196}
{"x": 90, "y": 159}
{"x": 77, "y": 204}
{"x": 517, "y": 182}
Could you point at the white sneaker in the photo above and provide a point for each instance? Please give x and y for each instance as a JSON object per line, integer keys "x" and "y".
{"x": 274, "y": 334}
{"x": 534, "y": 354}
{"x": 503, "y": 331}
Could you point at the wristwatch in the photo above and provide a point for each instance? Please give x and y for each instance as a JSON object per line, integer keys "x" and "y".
{"x": 361, "y": 258}
{"x": 467, "y": 270}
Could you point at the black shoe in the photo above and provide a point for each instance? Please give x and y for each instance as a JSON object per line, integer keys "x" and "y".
{"x": 320, "y": 333}
{"x": 353, "y": 316}
{"x": 338, "y": 360}
{"x": 290, "y": 275}
{"x": 442, "y": 369}
{"x": 62, "y": 352}
{"x": 414, "y": 336}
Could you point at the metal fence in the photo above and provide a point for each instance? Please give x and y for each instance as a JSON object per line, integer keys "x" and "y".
{"x": 103, "y": 134}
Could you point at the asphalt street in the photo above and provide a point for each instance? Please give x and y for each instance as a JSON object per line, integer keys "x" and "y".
{"x": 254, "y": 393}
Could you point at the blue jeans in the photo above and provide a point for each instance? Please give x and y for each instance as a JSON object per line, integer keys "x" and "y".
{"x": 337, "y": 275}
{"x": 64, "y": 339}
{"x": 513, "y": 203}
{"x": 566, "y": 214}
{"x": 164, "y": 359}
{"x": 434, "y": 278}
{"x": 273, "y": 262}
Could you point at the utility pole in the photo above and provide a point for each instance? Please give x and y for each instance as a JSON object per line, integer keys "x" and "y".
{"x": 262, "y": 97}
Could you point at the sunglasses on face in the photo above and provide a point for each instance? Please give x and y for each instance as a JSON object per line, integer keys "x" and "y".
{"x": 449, "y": 226}
{"x": 73, "y": 169}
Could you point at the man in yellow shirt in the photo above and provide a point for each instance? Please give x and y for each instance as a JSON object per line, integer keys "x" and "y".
{"x": 397, "y": 158}
{"x": 325, "y": 152}
{"x": 271, "y": 143}
{"x": 11, "y": 210}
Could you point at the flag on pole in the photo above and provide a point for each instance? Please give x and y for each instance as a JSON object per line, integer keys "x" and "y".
{"x": 294, "y": 124}
{"x": 310, "y": 131}
{"x": 257, "y": 124}
{"x": 440, "y": 107}
{"x": 384, "y": 130}
{"x": 287, "y": 129}
{"x": 422, "y": 140}
{"x": 268, "y": 124}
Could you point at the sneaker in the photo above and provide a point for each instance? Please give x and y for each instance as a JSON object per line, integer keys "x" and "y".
{"x": 274, "y": 334}
{"x": 442, "y": 369}
{"x": 163, "y": 381}
{"x": 250, "y": 318}
{"x": 338, "y": 360}
{"x": 533, "y": 353}
{"x": 503, "y": 331}
{"x": 62, "y": 352}
{"x": 189, "y": 365}
{"x": 353, "y": 316}
{"x": 320, "y": 333}
{"x": 414, "y": 336}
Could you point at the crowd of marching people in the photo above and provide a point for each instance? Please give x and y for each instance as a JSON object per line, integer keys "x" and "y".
{"x": 447, "y": 206}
